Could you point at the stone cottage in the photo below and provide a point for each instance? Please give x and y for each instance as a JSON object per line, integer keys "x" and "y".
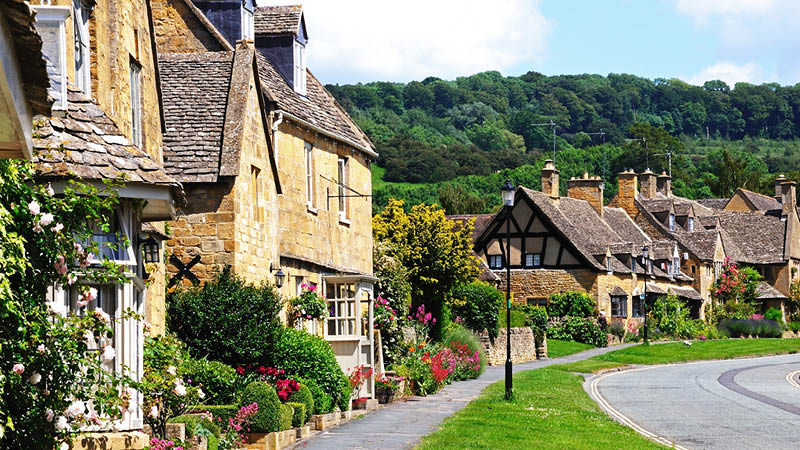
{"x": 751, "y": 229}
{"x": 559, "y": 244}
{"x": 293, "y": 198}
{"x": 106, "y": 124}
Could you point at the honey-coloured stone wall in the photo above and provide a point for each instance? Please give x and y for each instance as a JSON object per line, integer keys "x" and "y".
{"x": 179, "y": 30}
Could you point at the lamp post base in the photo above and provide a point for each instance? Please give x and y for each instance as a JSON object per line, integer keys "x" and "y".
{"x": 509, "y": 389}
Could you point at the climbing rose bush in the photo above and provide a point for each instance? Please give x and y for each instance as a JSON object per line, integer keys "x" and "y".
{"x": 53, "y": 378}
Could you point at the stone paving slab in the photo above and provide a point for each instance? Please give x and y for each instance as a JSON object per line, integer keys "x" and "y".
{"x": 401, "y": 425}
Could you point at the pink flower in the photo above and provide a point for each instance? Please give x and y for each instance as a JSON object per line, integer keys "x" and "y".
{"x": 41, "y": 349}
{"x": 34, "y": 208}
{"x": 37, "y": 228}
{"x": 58, "y": 227}
{"x": 71, "y": 279}
{"x": 87, "y": 297}
{"x": 109, "y": 353}
{"x": 60, "y": 265}
{"x": 18, "y": 369}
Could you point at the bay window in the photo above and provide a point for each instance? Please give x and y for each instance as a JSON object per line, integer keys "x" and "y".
{"x": 343, "y": 310}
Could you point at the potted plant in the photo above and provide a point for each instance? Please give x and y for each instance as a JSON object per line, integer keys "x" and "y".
{"x": 357, "y": 378}
{"x": 385, "y": 388}
{"x": 309, "y": 305}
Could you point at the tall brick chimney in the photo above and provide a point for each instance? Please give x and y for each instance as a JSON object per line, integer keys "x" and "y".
{"x": 778, "y": 192}
{"x": 628, "y": 190}
{"x": 589, "y": 189}
{"x": 664, "y": 184}
{"x": 550, "y": 179}
{"x": 647, "y": 181}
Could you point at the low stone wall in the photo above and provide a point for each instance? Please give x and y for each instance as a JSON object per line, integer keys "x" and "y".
{"x": 523, "y": 347}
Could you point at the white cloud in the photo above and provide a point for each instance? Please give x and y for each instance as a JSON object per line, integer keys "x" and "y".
{"x": 730, "y": 73}
{"x": 366, "y": 40}
{"x": 751, "y": 30}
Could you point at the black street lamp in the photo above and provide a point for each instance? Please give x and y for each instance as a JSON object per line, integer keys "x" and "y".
{"x": 645, "y": 257}
{"x": 508, "y": 203}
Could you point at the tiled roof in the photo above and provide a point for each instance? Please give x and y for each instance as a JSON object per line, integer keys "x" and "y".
{"x": 278, "y": 19}
{"x": 702, "y": 244}
{"x": 626, "y": 228}
{"x": 766, "y": 291}
{"x": 759, "y": 238}
{"x": 86, "y": 143}
{"x": 760, "y": 202}
{"x": 28, "y": 47}
{"x": 686, "y": 292}
{"x": 195, "y": 88}
{"x": 616, "y": 290}
{"x": 317, "y": 107}
{"x": 657, "y": 205}
{"x": 713, "y": 203}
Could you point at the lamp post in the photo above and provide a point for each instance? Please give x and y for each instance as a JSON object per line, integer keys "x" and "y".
{"x": 645, "y": 256}
{"x": 508, "y": 202}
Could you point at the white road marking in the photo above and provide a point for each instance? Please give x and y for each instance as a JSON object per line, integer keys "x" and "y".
{"x": 790, "y": 378}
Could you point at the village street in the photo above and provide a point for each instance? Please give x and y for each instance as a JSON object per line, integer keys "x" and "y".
{"x": 738, "y": 404}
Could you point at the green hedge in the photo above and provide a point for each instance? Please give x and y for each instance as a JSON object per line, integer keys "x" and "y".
{"x": 301, "y": 354}
{"x": 571, "y": 303}
{"x": 323, "y": 403}
{"x": 299, "y": 415}
{"x": 304, "y": 396}
{"x": 192, "y": 420}
{"x": 286, "y": 416}
{"x": 477, "y": 304}
{"x": 224, "y": 412}
{"x": 269, "y": 416}
{"x": 217, "y": 380}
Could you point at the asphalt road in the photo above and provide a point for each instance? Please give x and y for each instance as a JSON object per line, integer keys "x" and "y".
{"x": 735, "y": 404}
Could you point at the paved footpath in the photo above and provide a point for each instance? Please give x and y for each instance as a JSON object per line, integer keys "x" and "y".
{"x": 401, "y": 425}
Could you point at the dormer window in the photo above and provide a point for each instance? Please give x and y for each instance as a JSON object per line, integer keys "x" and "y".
{"x": 299, "y": 68}
{"x": 80, "y": 20}
{"x": 608, "y": 264}
{"x": 51, "y": 25}
{"x": 690, "y": 224}
{"x": 671, "y": 222}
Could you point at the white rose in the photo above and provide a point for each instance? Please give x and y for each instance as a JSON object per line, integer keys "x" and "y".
{"x": 63, "y": 446}
{"x": 49, "y": 414}
{"x": 35, "y": 378}
{"x": 154, "y": 412}
{"x": 180, "y": 390}
{"x": 109, "y": 353}
{"x": 61, "y": 424}
{"x": 76, "y": 408}
{"x": 34, "y": 208}
{"x": 50, "y": 190}
{"x": 171, "y": 370}
{"x": 46, "y": 219}
{"x": 102, "y": 315}
{"x": 201, "y": 394}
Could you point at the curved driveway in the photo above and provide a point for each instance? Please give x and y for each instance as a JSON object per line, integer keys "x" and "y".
{"x": 733, "y": 404}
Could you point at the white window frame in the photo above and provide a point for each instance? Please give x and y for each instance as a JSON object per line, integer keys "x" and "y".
{"x": 344, "y": 312}
{"x": 299, "y": 68}
{"x": 622, "y": 302}
{"x": 671, "y": 222}
{"x": 311, "y": 198}
{"x": 128, "y": 254}
{"x": 49, "y": 15}
{"x": 690, "y": 224}
{"x": 342, "y": 168}
{"x": 247, "y": 24}
{"x": 608, "y": 264}
{"x": 80, "y": 32}
{"x": 136, "y": 102}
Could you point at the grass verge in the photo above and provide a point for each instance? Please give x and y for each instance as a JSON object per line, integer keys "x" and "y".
{"x": 550, "y": 411}
{"x": 557, "y": 348}
{"x": 700, "y": 351}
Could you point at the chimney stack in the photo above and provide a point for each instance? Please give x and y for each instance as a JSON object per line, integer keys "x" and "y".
{"x": 647, "y": 181}
{"x": 788, "y": 198}
{"x": 664, "y": 184}
{"x": 628, "y": 190}
{"x": 550, "y": 179}
{"x": 778, "y": 193}
{"x": 589, "y": 189}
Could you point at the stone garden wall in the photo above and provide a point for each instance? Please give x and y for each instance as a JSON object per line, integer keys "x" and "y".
{"x": 523, "y": 347}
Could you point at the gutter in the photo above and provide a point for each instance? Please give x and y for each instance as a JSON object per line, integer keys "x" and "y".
{"x": 307, "y": 124}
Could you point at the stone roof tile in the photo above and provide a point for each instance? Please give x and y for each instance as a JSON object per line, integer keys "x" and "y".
{"x": 278, "y": 19}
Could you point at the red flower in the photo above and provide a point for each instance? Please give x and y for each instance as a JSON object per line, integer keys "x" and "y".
{"x": 262, "y": 370}
{"x": 240, "y": 370}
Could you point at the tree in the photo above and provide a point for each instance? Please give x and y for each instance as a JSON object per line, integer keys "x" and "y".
{"x": 435, "y": 251}
{"x": 457, "y": 200}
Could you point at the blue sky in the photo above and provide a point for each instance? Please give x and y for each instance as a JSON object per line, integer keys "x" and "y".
{"x": 694, "y": 40}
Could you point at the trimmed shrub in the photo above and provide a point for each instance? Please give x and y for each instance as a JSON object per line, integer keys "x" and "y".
{"x": 477, "y": 305}
{"x": 571, "y": 303}
{"x": 302, "y": 354}
{"x": 299, "y": 416}
{"x": 268, "y": 418}
{"x": 794, "y": 326}
{"x": 466, "y": 337}
{"x": 751, "y": 327}
{"x": 579, "y": 329}
{"x": 227, "y": 319}
{"x": 304, "y": 396}
{"x": 217, "y": 380}
{"x": 192, "y": 420}
{"x": 224, "y": 412}
{"x": 323, "y": 403}
{"x": 773, "y": 314}
{"x": 286, "y": 415}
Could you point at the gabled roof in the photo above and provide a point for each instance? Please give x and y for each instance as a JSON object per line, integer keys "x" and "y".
{"x": 278, "y": 19}
{"x": 317, "y": 108}
{"x": 759, "y": 238}
{"x": 765, "y": 291}
{"x": 758, "y": 202}
{"x": 686, "y": 292}
{"x": 86, "y": 143}
{"x": 702, "y": 244}
{"x": 714, "y": 203}
{"x": 205, "y": 100}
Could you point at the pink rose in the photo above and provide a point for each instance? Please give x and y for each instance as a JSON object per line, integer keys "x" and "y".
{"x": 34, "y": 208}
{"x": 18, "y": 369}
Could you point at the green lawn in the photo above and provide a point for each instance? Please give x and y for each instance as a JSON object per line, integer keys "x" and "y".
{"x": 557, "y": 348}
{"x": 550, "y": 411}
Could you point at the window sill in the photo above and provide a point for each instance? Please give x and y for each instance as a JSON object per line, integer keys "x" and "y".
{"x": 349, "y": 338}
{"x": 343, "y": 221}
{"x": 312, "y": 210}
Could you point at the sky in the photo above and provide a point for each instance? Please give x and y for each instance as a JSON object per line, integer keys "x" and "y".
{"x": 354, "y": 41}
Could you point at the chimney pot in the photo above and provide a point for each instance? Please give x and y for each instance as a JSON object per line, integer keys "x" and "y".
{"x": 647, "y": 181}
{"x": 550, "y": 179}
{"x": 589, "y": 189}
